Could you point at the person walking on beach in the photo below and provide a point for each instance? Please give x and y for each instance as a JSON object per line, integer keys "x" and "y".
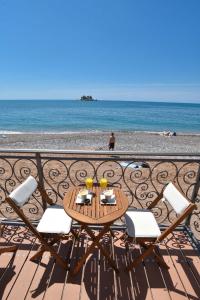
{"x": 111, "y": 145}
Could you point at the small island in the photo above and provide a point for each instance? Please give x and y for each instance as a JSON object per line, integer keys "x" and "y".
{"x": 87, "y": 98}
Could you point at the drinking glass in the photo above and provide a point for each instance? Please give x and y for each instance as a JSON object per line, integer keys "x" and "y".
{"x": 89, "y": 183}
{"x": 103, "y": 183}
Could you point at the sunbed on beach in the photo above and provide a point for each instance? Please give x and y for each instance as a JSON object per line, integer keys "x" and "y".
{"x": 134, "y": 165}
{"x": 129, "y": 165}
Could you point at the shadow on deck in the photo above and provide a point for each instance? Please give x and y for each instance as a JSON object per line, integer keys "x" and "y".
{"x": 22, "y": 279}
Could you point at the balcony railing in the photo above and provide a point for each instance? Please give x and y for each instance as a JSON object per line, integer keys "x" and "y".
{"x": 141, "y": 176}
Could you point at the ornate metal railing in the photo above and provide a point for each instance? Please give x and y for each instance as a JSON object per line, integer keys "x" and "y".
{"x": 141, "y": 176}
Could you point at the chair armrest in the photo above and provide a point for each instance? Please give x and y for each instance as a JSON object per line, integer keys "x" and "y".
{"x": 154, "y": 202}
{"x": 159, "y": 197}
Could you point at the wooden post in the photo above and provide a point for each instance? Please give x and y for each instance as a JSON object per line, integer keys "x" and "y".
{"x": 41, "y": 177}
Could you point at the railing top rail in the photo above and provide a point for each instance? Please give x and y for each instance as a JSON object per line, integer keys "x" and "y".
{"x": 113, "y": 153}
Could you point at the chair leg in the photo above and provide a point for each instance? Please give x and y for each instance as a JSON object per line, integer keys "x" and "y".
{"x": 4, "y": 249}
{"x": 112, "y": 233}
{"x": 42, "y": 249}
{"x": 149, "y": 248}
{"x": 140, "y": 258}
{"x": 127, "y": 240}
{"x": 38, "y": 253}
{"x": 158, "y": 258}
{"x": 59, "y": 260}
{"x": 48, "y": 248}
{"x": 74, "y": 232}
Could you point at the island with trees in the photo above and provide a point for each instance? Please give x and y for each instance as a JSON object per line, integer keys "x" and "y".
{"x": 87, "y": 98}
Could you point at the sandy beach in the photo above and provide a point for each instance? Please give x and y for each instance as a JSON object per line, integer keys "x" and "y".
{"x": 125, "y": 141}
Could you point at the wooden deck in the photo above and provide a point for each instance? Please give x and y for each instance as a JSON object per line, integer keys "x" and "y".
{"x": 22, "y": 279}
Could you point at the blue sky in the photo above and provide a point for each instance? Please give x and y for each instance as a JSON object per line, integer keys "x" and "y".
{"x": 131, "y": 50}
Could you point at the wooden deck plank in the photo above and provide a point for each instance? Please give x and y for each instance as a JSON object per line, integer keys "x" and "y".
{"x": 124, "y": 284}
{"x": 192, "y": 286}
{"x": 106, "y": 280}
{"x": 139, "y": 277}
{"x": 183, "y": 270}
{"x": 8, "y": 234}
{"x": 156, "y": 282}
{"x": 56, "y": 281}
{"x": 23, "y": 279}
{"x": 192, "y": 257}
{"x": 22, "y": 282}
{"x": 72, "y": 288}
{"x": 89, "y": 280}
{"x": 172, "y": 276}
{"x": 106, "y": 274}
{"x": 9, "y": 273}
{"x": 53, "y": 278}
{"x": 6, "y": 266}
{"x": 41, "y": 277}
{"x": 18, "y": 262}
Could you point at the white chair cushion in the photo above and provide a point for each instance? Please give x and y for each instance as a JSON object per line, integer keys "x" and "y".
{"x": 23, "y": 192}
{"x": 55, "y": 220}
{"x": 141, "y": 223}
{"x": 175, "y": 198}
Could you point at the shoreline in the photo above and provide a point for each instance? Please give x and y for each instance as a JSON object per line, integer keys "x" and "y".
{"x": 181, "y": 133}
{"x": 136, "y": 141}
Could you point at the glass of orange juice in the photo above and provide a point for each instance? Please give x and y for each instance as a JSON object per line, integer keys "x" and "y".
{"x": 89, "y": 183}
{"x": 103, "y": 183}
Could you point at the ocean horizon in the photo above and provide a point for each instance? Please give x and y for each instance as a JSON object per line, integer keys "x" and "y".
{"x": 62, "y": 116}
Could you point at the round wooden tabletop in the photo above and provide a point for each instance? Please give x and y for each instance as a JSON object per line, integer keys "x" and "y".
{"x": 95, "y": 212}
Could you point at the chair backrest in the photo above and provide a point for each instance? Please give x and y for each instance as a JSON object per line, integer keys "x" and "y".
{"x": 175, "y": 198}
{"x": 19, "y": 197}
{"x": 180, "y": 204}
{"x": 23, "y": 192}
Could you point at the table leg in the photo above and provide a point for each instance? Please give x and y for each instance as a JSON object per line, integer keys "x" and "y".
{"x": 105, "y": 253}
{"x": 96, "y": 240}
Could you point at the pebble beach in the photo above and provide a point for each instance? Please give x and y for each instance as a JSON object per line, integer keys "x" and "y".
{"x": 148, "y": 142}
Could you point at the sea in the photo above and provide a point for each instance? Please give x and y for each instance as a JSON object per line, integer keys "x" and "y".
{"x": 60, "y": 116}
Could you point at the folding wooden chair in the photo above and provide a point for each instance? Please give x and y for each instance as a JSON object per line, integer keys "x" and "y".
{"x": 142, "y": 227}
{"x": 54, "y": 224}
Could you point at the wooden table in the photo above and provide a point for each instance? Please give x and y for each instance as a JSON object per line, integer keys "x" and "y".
{"x": 95, "y": 214}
